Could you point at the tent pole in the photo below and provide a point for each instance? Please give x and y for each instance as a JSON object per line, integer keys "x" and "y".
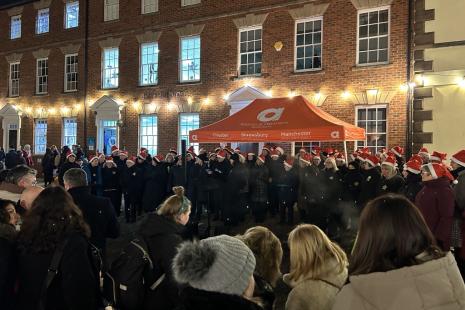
{"x": 345, "y": 153}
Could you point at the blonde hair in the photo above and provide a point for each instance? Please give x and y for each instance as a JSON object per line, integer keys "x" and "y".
{"x": 392, "y": 170}
{"x": 333, "y": 162}
{"x": 311, "y": 250}
{"x": 175, "y": 205}
{"x": 267, "y": 250}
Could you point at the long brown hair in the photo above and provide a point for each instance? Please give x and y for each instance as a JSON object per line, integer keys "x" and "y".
{"x": 52, "y": 216}
{"x": 175, "y": 205}
{"x": 267, "y": 250}
{"x": 392, "y": 233}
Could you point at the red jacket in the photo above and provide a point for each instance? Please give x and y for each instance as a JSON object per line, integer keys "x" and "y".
{"x": 436, "y": 202}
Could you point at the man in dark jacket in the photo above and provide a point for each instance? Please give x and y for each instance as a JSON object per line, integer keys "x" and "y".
{"x": 12, "y": 159}
{"x": 97, "y": 211}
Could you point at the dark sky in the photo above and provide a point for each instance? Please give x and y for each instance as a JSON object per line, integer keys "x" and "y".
{"x": 8, "y": 3}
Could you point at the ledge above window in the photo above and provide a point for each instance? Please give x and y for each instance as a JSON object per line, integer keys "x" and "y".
{"x": 310, "y": 71}
{"x": 187, "y": 83}
{"x": 372, "y": 66}
{"x": 249, "y": 76}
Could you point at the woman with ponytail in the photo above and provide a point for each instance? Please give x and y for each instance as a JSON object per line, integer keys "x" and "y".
{"x": 162, "y": 232}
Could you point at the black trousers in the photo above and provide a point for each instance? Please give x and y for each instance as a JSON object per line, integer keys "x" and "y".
{"x": 115, "y": 197}
{"x": 259, "y": 211}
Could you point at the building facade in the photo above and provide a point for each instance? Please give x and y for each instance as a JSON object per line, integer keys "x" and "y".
{"x": 142, "y": 73}
{"x": 439, "y": 75}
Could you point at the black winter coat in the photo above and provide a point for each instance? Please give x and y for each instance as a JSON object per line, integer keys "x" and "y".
{"x": 8, "y": 264}
{"x": 12, "y": 159}
{"x": 193, "y": 179}
{"x": 352, "y": 185}
{"x": 236, "y": 181}
{"x": 287, "y": 187}
{"x": 98, "y": 213}
{"x": 155, "y": 179}
{"x": 331, "y": 187}
{"x": 75, "y": 287}
{"x": 111, "y": 178}
{"x": 258, "y": 184}
{"x": 393, "y": 185}
{"x": 177, "y": 177}
{"x": 48, "y": 164}
{"x": 412, "y": 187}
{"x": 264, "y": 291}
{"x": 370, "y": 185}
{"x": 193, "y": 299}
{"x": 65, "y": 167}
{"x": 134, "y": 182}
{"x": 163, "y": 237}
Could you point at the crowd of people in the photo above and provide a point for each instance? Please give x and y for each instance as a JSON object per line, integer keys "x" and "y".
{"x": 408, "y": 254}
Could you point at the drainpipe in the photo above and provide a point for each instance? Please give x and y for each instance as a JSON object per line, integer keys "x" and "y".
{"x": 410, "y": 33}
{"x": 86, "y": 72}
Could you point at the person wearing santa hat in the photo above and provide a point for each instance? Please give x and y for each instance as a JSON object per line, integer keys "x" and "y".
{"x": 114, "y": 150}
{"x": 276, "y": 171}
{"x": 341, "y": 165}
{"x": 135, "y": 188}
{"x": 233, "y": 199}
{"x": 69, "y": 163}
{"x": 155, "y": 184}
{"x": 352, "y": 184}
{"x": 220, "y": 169}
{"x": 457, "y": 163}
{"x": 111, "y": 184}
{"x": 398, "y": 152}
{"x": 413, "y": 183}
{"x": 177, "y": 175}
{"x": 316, "y": 160}
{"x": 371, "y": 180}
{"x": 423, "y": 152}
{"x": 391, "y": 181}
{"x": 266, "y": 151}
{"x": 287, "y": 186}
{"x": 94, "y": 174}
{"x": 437, "y": 157}
{"x": 258, "y": 186}
{"x": 436, "y": 202}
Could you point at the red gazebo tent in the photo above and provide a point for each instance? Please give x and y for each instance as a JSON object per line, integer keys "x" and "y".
{"x": 279, "y": 120}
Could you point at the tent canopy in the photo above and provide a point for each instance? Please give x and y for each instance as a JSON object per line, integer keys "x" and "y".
{"x": 278, "y": 120}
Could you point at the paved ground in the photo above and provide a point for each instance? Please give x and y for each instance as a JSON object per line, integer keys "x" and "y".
{"x": 128, "y": 232}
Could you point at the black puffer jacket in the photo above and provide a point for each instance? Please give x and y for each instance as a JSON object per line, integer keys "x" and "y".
{"x": 392, "y": 185}
{"x": 8, "y": 263}
{"x": 193, "y": 299}
{"x": 162, "y": 236}
{"x": 155, "y": 191}
{"x": 412, "y": 187}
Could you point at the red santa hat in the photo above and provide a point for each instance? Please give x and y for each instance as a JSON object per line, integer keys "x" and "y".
{"x": 250, "y": 154}
{"x": 303, "y": 150}
{"x": 229, "y": 150}
{"x": 390, "y": 161}
{"x": 398, "y": 151}
{"x": 221, "y": 154}
{"x": 329, "y": 151}
{"x": 340, "y": 157}
{"x": 459, "y": 158}
{"x": 124, "y": 153}
{"x": 237, "y": 150}
{"x": 280, "y": 150}
{"x": 173, "y": 151}
{"x": 417, "y": 158}
{"x": 241, "y": 156}
{"x": 413, "y": 166}
{"x": 274, "y": 153}
{"x": 437, "y": 156}
{"x": 109, "y": 159}
{"x": 365, "y": 150}
{"x": 218, "y": 149}
{"x": 132, "y": 159}
{"x": 91, "y": 157}
{"x": 114, "y": 149}
{"x": 354, "y": 156}
{"x": 159, "y": 158}
{"x": 438, "y": 171}
{"x": 372, "y": 160}
{"x": 363, "y": 156}
{"x": 306, "y": 158}
{"x": 289, "y": 162}
{"x": 316, "y": 149}
{"x": 317, "y": 155}
{"x": 191, "y": 151}
{"x": 267, "y": 147}
{"x": 261, "y": 158}
{"x": 142, "y": 154}
{"x": 424, "y": 151}
{"x": 70, "y": 153}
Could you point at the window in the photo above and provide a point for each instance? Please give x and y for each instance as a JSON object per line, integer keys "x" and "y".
{"x": 40, "y": 136}
{"x": 149, "y": 6}
{"x": 111, "y": 10}
{"x": 148, "y": 64}
{"x": 110, "y": 68}
{"x": 148, "y": 133}
{"x": 189, "y": 2}
{"x": 69, "y": 131}
{"x": 42, "y": 76}
{"x": 188, "y": 122}
{"x": 190, "y": 59}
{"x": 15, "y": 28}
{"x": 14, "y": 80}
{"x": 72, "y": 14}
{"x": 250, "y": 51}
{"x": 308, "y": 44}
{"x": 308, "y": 146}
{"x": 42, "y": 22}
{"x": 373, "y": 120}
{"x": 71, "y": 72}
{"x": 373, "y": 36}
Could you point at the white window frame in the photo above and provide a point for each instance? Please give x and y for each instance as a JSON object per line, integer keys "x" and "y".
{"x": 196, "y": 145}
{"x": 71, "y": 73}
{"x": 141, "y": 76}
{"x": 38, "y": 77}
{"x": 10, "y": 80}
{"x": 190, "y": 2}
{"x": 68, "y": 120}
{"x": 373, "y": 106}
{"x": 67, "y": 4}
{"x": 388, "y": 7}
{"x": 155, "y": 136}
{"x": 144, "y": 5}
{"x": 16, "y": 21}
{"x": 181, "y": 59}
{"x": 239, "y": 50}
{"x": 299, "y": 144}
{"x": 312, "y": 19}
{"x": 39, "y": 21}
{"x": 110, "y": 10}
{"x": 102, "y": 82}
{"x": 41, "y": 133}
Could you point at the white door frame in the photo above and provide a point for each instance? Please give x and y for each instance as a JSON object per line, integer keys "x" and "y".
{"x": 11, "y": 117}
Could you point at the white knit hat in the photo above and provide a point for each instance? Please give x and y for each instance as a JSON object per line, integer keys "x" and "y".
{"x": 218, "y": 264}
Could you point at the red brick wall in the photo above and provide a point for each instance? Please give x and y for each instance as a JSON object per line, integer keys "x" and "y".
{"x": 218, "y": 67}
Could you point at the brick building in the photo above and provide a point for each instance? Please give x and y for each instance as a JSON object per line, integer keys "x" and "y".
{"x": 144, "y": 72}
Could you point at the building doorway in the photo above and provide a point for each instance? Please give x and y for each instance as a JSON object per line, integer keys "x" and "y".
{"x": 109, "y": 132}
{"x": 12, "y": 136}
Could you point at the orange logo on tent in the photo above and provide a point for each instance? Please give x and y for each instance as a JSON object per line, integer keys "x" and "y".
{"x": 270, "y": 115}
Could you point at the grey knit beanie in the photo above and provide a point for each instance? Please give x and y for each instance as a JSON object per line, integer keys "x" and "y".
{"x": 218, "y": 264}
